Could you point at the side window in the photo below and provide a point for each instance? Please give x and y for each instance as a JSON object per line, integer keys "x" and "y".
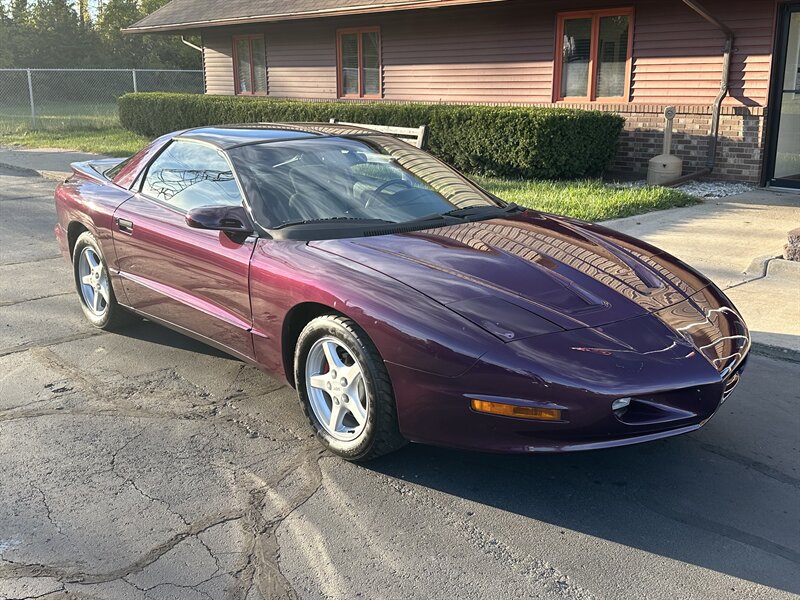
{"x": 595, "y": 58}
{"x": 250, "y": 65}
{"x": 187, "y": 175}
{"x": 359, "y": 62}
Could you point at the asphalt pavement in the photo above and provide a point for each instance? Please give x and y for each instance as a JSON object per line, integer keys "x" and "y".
{"x": 145, "y": 465}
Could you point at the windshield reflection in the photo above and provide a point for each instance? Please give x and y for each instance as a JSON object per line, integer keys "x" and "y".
{"x": 355, "y": 178}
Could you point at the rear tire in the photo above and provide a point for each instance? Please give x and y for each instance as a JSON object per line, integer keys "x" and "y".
{"x": 93, "y": 283}
{"x": 345, "y": 390}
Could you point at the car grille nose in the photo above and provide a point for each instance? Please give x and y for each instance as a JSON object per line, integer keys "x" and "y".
{"x": 732, "y": 380}
{"x": 641, "y": 411}
{"x": 730, "y": 384}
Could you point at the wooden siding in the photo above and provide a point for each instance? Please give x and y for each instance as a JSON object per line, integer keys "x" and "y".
{"x": 218, "y": 62}
{"x": 504, "y": 52}
{"x": 492, "y": 55}
{"x": 302, "y": 60}
{"x": 678, "y": 56}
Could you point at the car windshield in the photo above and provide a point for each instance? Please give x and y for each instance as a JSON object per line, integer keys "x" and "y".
{"x": 373, "y": 179}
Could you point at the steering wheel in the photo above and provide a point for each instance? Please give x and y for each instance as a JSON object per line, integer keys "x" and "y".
{"x": 391, "y": 182}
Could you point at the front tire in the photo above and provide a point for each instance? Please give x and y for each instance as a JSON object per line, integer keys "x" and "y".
{"x": 93, "y": 283}
{"x": 345, "y": 390}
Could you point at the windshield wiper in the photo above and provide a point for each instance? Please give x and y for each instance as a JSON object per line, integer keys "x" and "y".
{"x": 457, "y": 215}
{"x": 432, "y": 218}
{"x": 337, "y": 219}
{"x": 473, "y": 211}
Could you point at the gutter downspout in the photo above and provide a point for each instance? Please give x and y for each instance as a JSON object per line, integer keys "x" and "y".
{"x": 713, "y": 136}
{"x": 202, "y": 58}
{"x": 190, "y": 44}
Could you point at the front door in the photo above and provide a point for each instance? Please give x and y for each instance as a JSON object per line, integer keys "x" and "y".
{"x": 783, "y": 130}
{"x": 195, "y": 279}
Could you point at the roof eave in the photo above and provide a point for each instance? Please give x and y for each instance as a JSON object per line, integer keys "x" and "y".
{"x": 356, "y": 10}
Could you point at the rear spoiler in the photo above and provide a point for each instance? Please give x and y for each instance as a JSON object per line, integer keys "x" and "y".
{"x": 94, "y": 169}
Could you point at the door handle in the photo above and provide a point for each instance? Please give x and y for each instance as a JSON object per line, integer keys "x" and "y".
{"x": 125, "y": 226}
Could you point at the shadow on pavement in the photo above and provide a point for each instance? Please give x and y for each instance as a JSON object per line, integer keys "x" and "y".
{"x": 713, "y": 498}
{"x": 147, "y": 331}
{"x": 724, "y": 498}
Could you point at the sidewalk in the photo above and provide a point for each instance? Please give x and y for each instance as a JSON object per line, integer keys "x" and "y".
{"x": 734, "y": 241}
{"x": 52, "y": 163}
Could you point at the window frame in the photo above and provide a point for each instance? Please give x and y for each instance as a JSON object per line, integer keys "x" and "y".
{"x": 138, "y": 185}
{"x": 339, "y": 62}
{"x": 595, "y": 16}
{"x": 249, "y": 37}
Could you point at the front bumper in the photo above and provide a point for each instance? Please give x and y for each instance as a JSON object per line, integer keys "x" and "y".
{"x": 677, "y": 365}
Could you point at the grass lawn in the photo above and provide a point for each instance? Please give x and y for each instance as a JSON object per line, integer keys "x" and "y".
{"x": 112, "y": 141}
{"x": 16, "y": 117}
{"x": 591, "y": 200}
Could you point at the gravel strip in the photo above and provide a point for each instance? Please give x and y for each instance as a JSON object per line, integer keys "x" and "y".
{"x": 714, "y": 189}
{"x": 700, "y": 189}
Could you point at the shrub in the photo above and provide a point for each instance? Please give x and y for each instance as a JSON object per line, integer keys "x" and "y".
{"x": 528, "y": 142}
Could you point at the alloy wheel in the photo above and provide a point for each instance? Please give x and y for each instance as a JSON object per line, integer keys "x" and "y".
{"x": 336, "y": 389}
{"x": 93, "y": 281}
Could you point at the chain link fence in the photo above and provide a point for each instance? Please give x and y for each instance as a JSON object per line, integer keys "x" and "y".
{"x": 67, "y": 98}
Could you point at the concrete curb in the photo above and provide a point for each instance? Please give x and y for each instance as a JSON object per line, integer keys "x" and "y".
{"x": 780, "y": 267}
{"x": 22, "y": 170}
{"x": 776, "y": 352}
{"x": 758, "y": 266}
{"x": 54, "y": 175}
{"x": 767, "y": 266}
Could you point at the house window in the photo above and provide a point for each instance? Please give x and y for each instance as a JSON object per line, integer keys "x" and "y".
{"x": 250, "y": 64}
{"x": 593, "y": 55}
{"x": 359, "y": 63}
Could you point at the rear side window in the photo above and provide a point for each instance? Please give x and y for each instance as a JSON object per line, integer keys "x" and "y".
{"x": 187, "y": 175}
{"x": 112, "y": 172}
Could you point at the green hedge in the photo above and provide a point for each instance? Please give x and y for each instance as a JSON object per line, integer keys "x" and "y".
{"x": 527, "y": 142}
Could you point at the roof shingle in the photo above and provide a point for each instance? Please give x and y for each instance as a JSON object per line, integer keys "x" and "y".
{"x": 183, "y": 15}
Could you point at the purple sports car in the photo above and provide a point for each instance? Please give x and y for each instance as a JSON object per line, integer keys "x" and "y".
{"x": 401, "y": 300}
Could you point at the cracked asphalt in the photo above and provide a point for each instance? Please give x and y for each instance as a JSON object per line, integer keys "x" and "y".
{"x": 145, "y": 465}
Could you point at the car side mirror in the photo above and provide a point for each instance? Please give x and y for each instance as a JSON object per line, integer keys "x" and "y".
{"x": 230, "y": 219}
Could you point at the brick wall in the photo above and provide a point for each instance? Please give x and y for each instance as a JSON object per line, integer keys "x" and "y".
{"x": 739, "y": 151}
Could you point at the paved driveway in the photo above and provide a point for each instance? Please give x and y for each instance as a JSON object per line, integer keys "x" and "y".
{"x": 146, "y": 465}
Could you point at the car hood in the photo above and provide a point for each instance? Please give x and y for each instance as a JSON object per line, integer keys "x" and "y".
{"x": 570, "y": 273}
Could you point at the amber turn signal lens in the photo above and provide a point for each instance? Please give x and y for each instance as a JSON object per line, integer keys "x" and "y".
{"x": 512, "y": 410}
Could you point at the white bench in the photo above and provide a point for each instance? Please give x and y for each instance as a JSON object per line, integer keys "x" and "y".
{"x": 417, "y": 136}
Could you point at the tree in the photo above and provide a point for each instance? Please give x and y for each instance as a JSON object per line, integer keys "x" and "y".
{"x": 83, "y": 12}
{"x": 144, "y": 51}
{"x": 122, "y": 50}
{"x": 19, "y": 11}
{"x": 168, "y": 50}
{"x": 65, "y": 35}
{"x": 7, "y": 38}
{"x": 60, "y": 40}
